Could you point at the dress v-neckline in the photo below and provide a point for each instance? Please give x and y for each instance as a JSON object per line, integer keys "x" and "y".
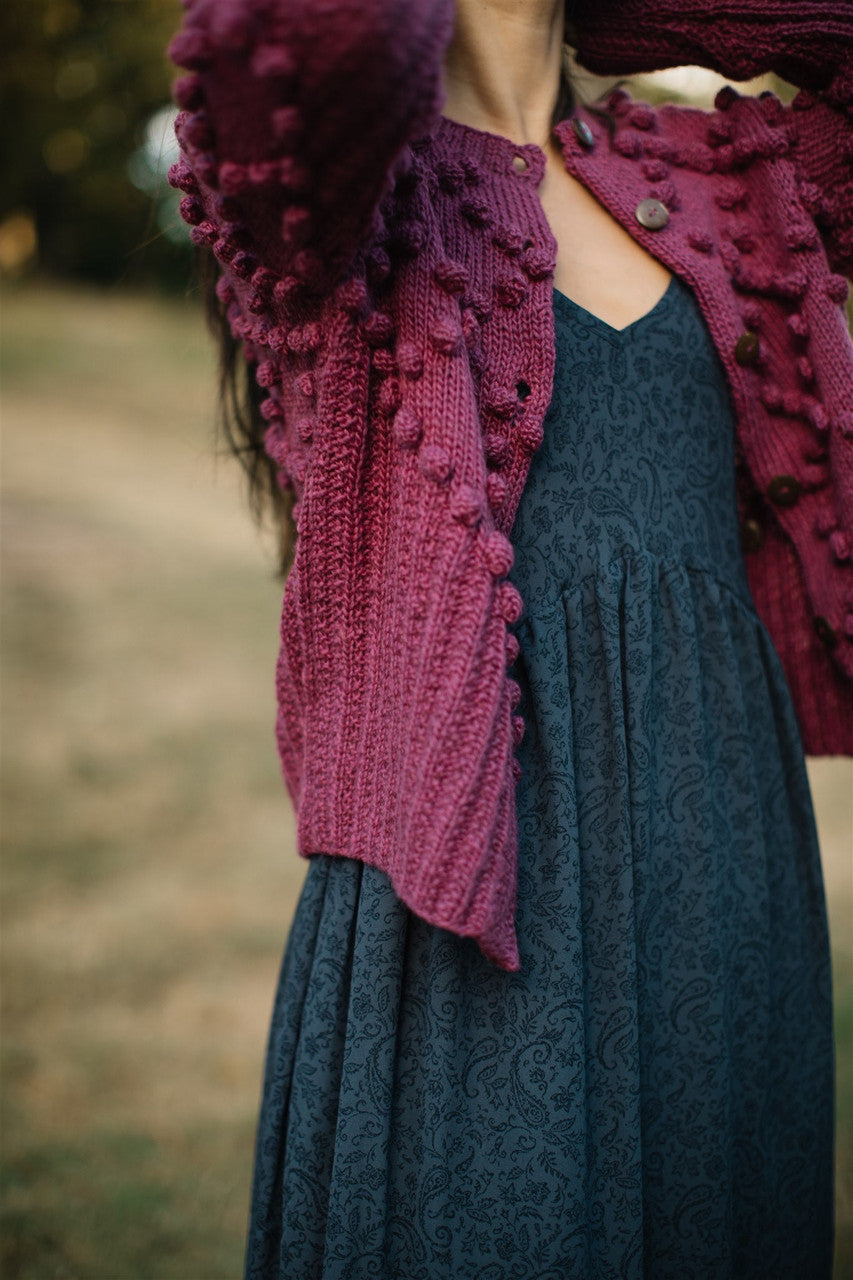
{"x": 576, "y": 311}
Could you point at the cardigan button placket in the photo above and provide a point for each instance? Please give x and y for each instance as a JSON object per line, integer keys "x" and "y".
{"x": 652, "y": 214}
{"x": 825, "y": 631}
{"x": 528, "y": 162}
{"x": 747, "y": 348}
{"x": 583, "y": 133}
{"x": 784, "y": 490}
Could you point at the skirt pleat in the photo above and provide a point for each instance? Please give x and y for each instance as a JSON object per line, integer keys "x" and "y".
{"x": 650, "y": 1095}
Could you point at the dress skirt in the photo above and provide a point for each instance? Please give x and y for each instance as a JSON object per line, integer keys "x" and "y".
{"x": 652, "y": 1094}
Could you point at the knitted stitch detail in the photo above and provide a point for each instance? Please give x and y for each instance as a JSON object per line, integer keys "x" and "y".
{"x": 389, "y": 273}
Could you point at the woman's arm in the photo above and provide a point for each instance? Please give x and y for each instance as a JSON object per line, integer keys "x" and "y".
{"x": 293, "y": 116}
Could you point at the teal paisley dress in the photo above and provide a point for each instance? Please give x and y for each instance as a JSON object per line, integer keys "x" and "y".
{"x": 652, "y": 1094}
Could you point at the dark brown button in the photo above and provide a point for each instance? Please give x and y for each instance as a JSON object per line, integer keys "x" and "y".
{"x": 751, "y": 535}
{"x": 746, "y": 348}
{"x": 783, "y": 490}
{"x": 583, "y": 133}
{"x": 825, "y": 631}
{"x": 652, "y": 214}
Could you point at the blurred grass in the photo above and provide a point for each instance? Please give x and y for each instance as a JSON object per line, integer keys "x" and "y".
{"x": 149, "y": 871}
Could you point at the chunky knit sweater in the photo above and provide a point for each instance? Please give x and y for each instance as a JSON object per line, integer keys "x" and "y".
{"x": 389, "y": 272}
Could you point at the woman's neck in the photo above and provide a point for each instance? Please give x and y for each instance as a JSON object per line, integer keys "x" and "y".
{"x": 502, "y": 67}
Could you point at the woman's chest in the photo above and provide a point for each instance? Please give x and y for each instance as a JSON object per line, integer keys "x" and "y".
{"x": 598, "y": 263}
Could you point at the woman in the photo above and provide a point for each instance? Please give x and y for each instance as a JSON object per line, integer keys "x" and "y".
{"x": 556, "y": 998}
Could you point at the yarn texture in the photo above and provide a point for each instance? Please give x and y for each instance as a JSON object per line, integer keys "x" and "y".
{"x": 389, "y": 272}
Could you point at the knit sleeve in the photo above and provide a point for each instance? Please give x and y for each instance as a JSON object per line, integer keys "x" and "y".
{"x": 292, "y": 118}
{"x": 823, "y": 129}
{"x": 803, "y": 41}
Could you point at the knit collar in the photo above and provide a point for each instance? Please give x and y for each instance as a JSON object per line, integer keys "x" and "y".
{"x": 497, "y": 153}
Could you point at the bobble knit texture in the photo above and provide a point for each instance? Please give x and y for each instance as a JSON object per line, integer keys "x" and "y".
{"x": 389, "y": 272}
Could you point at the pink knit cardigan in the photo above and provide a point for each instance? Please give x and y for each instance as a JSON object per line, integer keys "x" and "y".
{"x": 389, "y": 272}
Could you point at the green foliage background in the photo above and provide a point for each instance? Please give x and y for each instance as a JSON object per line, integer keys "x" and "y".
{"x": 80, "y": 79}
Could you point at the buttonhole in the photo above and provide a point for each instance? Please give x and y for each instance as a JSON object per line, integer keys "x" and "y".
{"x": 523, "y": 389}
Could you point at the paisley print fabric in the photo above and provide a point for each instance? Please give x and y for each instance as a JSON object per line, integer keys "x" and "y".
{"x": 651, "y": 1095}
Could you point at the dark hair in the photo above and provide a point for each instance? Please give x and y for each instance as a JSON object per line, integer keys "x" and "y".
{"x": 240, "y": 422}
{"x": 239, "y": 417}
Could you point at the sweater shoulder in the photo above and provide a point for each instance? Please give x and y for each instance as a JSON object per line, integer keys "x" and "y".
{"x": 731, "y": 113}
{"x": 676, "y": 123}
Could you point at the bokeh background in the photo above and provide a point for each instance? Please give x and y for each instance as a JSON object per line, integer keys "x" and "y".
{"x": 149, "y": 866}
